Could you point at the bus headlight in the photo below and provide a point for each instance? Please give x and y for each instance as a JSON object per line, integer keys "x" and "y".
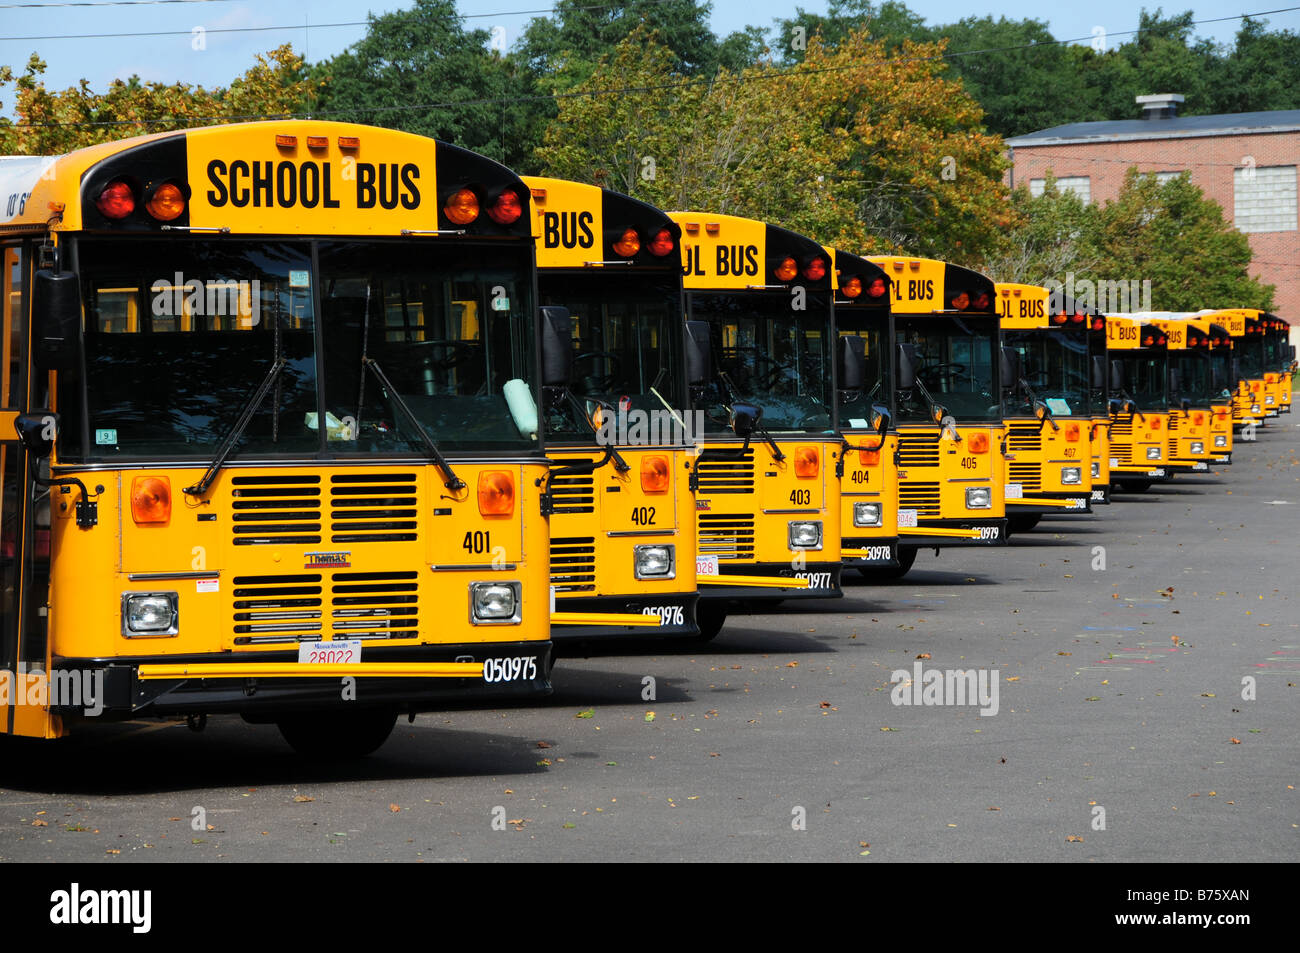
{"x": 654, "y": 562}
{"x": 978, "y": 498}
{"x": 150, "y": 613}
{"x": 1071, "y": 475}
{"x": 1153, "y": 453}
{"x": 866, "y": 514}
{"x": 805, "y": 534}
{"x": 494, "y": 603}
{"x": 1198, "y": 447}
{"x": 1096, "y": 469}
{"x": 1220, "y": 439}
{"x": 1254, "y": 408}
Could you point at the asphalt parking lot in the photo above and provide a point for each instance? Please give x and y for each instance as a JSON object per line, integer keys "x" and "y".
{"x": 1145, "y": 711}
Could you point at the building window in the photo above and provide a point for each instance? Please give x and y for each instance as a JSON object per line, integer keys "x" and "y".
{"x": 1163, "y": 177}
{"x": 1080, "y": 185}
{"x": 1264, "y": 199}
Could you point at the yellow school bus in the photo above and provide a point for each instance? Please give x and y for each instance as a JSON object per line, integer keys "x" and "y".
{"x": 621, "y": 510}
{"x": 1286, "y": 364}
{"x": 1247, "y": 409}
{"x": 864, "y": 370}
{"x": 947, "y": 393}
{"x": 760, "y": 334}
{"x": 1191, "y": 395}
{"x": 1139, "y": 387}
{"x": 271, "y": 444}
{"x": 1047, "y": 407}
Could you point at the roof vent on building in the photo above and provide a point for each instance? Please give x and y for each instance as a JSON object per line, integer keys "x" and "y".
{"x": 1160, "y": 105}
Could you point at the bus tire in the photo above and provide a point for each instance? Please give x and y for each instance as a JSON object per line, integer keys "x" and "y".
{"x": 1021, "y": 524}
{"x": 710, "y": 617}
{"x": 340, "y": 735}
{"x": 906, "y": 557}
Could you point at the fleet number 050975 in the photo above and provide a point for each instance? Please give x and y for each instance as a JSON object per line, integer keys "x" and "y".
{"x": 520, "y": 668}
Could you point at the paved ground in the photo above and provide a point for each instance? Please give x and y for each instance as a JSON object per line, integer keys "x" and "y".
{"x": 1119, "y": 689}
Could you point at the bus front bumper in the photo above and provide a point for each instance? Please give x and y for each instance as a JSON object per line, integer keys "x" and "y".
{"x": 409, "y": 679}
{"x": 810, "y": 581}
{"x": 1051, "y": 502}
{"x": 942, "y": 533}
{"x": 674, "y": 611}
{"x": 872, "y": 551}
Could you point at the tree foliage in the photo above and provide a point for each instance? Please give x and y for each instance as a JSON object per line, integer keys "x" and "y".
{"x": 51, "y": 122}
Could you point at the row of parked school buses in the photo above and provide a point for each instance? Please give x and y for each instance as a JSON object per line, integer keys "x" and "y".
{"x": 320, "y": 424}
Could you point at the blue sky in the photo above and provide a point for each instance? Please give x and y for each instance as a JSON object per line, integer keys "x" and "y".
{"x": 172, "y": 58}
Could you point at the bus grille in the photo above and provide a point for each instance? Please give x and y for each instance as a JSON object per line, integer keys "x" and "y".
{"x": 573, "y": 563}
{"x": 1121, "y": 440}
{"x": 373, "y": 507}
{"x": 1028, "y": 475}
{"x": 727, "y": 537}
{"x": 275, "y": 510}
{"x": 1173, "y": 436}
{"x": 375, "y": 605}
{"x": 573, "y": 492}
{"x": 271, "y": 610}
{"x": 719, "y": 477}
{"x": 918, "y": 450}
{"x": 922, "y": 497}
{"x": 1026, "y": 437}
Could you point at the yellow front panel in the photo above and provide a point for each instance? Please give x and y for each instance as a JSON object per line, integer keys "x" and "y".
{"x": 567, "y": 224}
{"x": 599, "y": 518}
{"x": 1040, "y": 452}
{"x": 934, "y": 472}
{"x": 1099, "y": 447}
{"x": 875, "y": 482}
{"x": 916, "y": 283}
{"x": 721, "y": 251}
{"x": 275, "y": 555}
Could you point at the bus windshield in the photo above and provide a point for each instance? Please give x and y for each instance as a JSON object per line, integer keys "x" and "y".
{"x": 1055, "y": 366}
{"x": 955, "y": 368}
{"x": 1145, "y": 379}
{"x": 771, "y": 355}
{"x": 179, "y": 334}
{"x": 855, "y": 413}
{"x": 1191, "y": 372}
{"x": 627, "y": 335}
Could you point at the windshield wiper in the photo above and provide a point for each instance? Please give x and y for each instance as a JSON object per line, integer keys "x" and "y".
{"x": 237, "y": 431}
{"x": 731, "y": 389}
{"x": 450, "y": 480}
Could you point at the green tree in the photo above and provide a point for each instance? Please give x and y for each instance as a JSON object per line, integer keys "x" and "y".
{"x": 1262, "y": 71}
{"x": 1056, "y": 234}
{"x": 52, "y": 122}
{"x": 1174, "y": 236}
{"x": 422, "y": 71}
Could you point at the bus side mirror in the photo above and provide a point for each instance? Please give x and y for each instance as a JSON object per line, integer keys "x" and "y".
{"x": 56, "y": 320}
{"x": 852, "y": 365}
{"x": 1115, "y": 406}
{"x": 881, "y": 418}
{"x": 906, "y": 366}
{"x": 557, "y": 346}
{"x": 699, "y": 358}
{"x": 1117, "y": 375}
{"x": 1009, "y": 365}
{"x": 745, "y": 418}
{"x": 1175, "y": 382}
{"x": 1098, "y": 372}
{"x": 36, "y": 432}
{"x": 1041, "y": 410}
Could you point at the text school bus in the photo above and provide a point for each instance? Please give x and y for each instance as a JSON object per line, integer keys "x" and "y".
{"x": 273, "y": 393}
{"x": 759, "y": 338}
{"x": 1139, "y": 388}
{"x": 948, "y": 407}
{"x": 1191, "y": 395}
{"x": 864, "y": 374}
{"x": 621, "y": 511}
{"x": 1048, "y": 407}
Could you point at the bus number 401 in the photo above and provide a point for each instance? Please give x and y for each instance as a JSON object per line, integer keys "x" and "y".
{"x": 477, "y": 542}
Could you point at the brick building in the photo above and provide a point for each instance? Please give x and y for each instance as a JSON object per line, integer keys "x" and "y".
{"x": 1244, "y": 161}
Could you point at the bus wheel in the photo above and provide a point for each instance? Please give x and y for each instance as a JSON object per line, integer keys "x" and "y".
{"x": 906, "y": 557}
{"x": 1021, "y": 524}
{"x": 710, "y": 616}
{"x": 338, "y": 735}
{"x": 1135, "y": 486}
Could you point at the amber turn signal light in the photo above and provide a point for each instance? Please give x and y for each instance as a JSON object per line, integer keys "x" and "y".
{"x": 978, "y": 442}
{"x": 151, "y": 499}
{"x": 655, "y": 473}
{"x": 496, "y": 493}
{"x": 807, "y": 462}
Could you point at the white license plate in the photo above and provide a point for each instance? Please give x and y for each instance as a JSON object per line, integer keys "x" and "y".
{"x": 1015, "y": 491}
{"x": 338, "y": 652}
{"x": 521, "y": 668}
{"x": 706, "y": 565}
{"x": 1200, "y": 466}
{"x": 1114, "y": 461}
{"x": 1156, "y": 473}
{"x": 1268, "y": 401}
{"x": 907, "y": 518}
